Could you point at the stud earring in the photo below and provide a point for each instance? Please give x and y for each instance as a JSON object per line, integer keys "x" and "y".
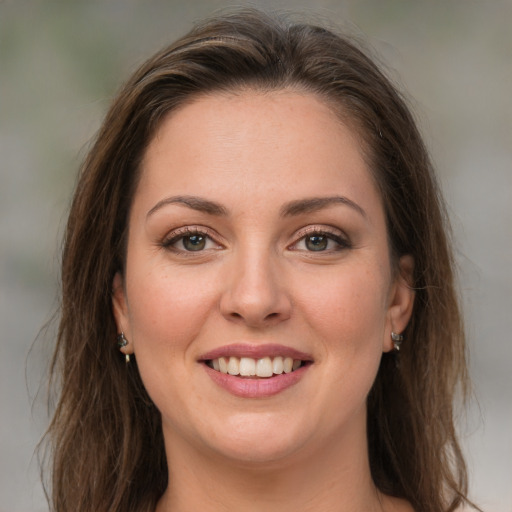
{"x": 122, "y": 342}
{"x": 397, "y": 341}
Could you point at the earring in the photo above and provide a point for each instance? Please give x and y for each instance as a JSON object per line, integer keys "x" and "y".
{"x": 397, "y": 340}
{"x": 122, "y": 342}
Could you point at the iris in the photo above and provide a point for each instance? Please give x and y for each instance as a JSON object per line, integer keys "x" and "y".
{"x": 316, "y": 242}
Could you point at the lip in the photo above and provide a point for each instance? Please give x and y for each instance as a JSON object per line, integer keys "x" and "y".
{"x": 256, "y": 388}
{"x": 255, "y": 352}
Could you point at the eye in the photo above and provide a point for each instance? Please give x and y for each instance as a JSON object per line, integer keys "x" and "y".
{"x": 194, "y": 242}
{"x": 190, "y": 240}
{"x": 321, "y": 241}
{"x": 317, "y": 242}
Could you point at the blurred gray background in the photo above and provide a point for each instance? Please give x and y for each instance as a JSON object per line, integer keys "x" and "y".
{"x": 61, "y": 63}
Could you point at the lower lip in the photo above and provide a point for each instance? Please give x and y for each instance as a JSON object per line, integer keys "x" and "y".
{"x": 256, "y": 388}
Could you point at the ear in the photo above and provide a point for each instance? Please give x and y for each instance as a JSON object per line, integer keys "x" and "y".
{"x": 120, "y": 309}
{"x": 401, "y": 301}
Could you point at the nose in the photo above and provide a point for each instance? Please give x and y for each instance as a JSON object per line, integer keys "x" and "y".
{"x": 255, "y": 293}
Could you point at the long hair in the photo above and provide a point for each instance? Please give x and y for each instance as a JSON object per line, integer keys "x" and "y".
{"x": 106, "y": 438}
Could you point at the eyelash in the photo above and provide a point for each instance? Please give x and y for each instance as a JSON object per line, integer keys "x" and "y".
{"x": 174, "y": 237}
{"x": 186, "y": 232}
{"x": 342, "y": 242}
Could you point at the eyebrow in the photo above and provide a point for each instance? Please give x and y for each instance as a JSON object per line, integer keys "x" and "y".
{"x": 193, "y": 202}
{"x": 314, "y": 204}
{"x": 293, "y": 208}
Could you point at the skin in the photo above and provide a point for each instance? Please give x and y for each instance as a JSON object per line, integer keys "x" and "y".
{"x": 255, "y": 282}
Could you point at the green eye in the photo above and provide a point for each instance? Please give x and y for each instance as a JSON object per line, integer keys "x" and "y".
{"x": 194, "y": 242}
{"x": 316, "y": 242}
{"x": 322, "y": 242}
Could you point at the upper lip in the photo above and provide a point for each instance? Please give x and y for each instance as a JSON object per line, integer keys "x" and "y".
{"x": 255, "y": 352}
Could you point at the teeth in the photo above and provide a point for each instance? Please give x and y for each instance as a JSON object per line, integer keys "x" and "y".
{"x": 264, "y": 367}
{"x": 234, "y": 366}
{"x": 223, "y": 364}
{"x": 248, "y": 367}
{"x": 278, "y": 365}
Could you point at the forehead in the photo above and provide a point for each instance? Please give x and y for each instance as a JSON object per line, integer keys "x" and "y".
{"x": 255, "y": 143}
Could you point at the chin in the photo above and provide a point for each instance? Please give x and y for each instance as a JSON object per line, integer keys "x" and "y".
{"x": 263, "y": 438}
{"x": 260, "y": 452}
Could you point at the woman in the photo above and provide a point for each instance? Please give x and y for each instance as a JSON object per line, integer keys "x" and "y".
{"x": 258, "y": 230}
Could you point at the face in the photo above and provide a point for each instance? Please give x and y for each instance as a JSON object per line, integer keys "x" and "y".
{"x": 258, "y": 294}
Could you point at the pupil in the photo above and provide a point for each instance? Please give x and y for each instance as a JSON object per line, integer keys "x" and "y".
{"x": 194, "y": 242}
{"x": 316, "y": 242}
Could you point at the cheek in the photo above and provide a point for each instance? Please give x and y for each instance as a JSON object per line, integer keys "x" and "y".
{"x": 347, "y": 312}
{"x": 167, "y": 313}
{"x": 167, "y": 310}
{"x": 349, "y": 302}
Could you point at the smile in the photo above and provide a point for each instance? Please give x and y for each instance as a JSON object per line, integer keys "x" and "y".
{"x": 249, "y": 370}
{"x": 264, "y": 367}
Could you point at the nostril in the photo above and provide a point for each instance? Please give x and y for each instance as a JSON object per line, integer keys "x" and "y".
{"x": 239, "y": 316}
{"x": 254, "y": 307}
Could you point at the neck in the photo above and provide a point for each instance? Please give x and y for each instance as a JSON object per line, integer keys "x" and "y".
{"x": 334, "y": 479}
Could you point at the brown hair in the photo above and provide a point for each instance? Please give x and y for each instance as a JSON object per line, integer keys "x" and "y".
{"x": 106, "y": 437}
